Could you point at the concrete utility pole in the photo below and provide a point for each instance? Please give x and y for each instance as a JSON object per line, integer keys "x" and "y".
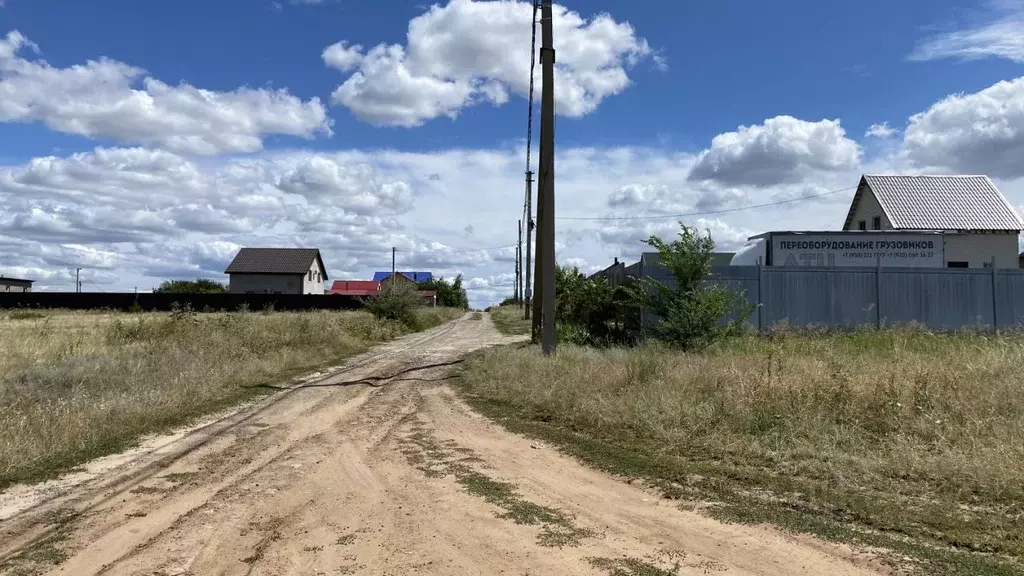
{"x": 393, "y": 250}
{"x": 529, "y": 232}
{"x": 78, "y": 283}
{"x": 519, "y": 267}
{"x": 538, "y": 272}
{"x": 546, "y": 234}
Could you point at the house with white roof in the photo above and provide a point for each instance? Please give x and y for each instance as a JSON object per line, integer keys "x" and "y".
{"x": 980, "y": 227}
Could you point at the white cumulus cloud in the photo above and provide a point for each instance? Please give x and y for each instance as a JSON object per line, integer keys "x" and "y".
{"x": 882, "y": 130}
{"x": 782, "y": 150}
{"x": 108, "y": 99}
{"x": 342, "y": 57}
{"x": 470, "y": 51}
{"x": 972, "y": 133}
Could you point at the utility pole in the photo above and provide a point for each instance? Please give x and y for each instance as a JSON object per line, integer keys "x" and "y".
{"x": 393, "y": 250}
{"x": 529, "y": 232}
{"x": 78, "y": 283}
{"x": 546, "y": 234}
{"x": 538, "y": 271}
{"x": 519, "y": 267}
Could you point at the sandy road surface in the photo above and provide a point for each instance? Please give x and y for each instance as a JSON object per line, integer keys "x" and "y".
{"x": 363, "y": 474}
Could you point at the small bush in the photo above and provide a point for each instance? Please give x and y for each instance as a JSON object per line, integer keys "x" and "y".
{"x": 397, "y": 303}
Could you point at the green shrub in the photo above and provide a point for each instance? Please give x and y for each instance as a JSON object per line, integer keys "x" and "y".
{"x": 691, "y": 313}
{"x": 397, "y": 303}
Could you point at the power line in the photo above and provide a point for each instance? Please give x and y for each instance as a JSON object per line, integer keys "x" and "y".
{"x": 527, "y": 219}
{"x": 710, "y": 212}
{"x": 443, "y": 252}
{"x": 533, "y": 62}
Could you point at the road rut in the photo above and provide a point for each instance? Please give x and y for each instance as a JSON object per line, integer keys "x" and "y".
{"x": 378, "y": 468}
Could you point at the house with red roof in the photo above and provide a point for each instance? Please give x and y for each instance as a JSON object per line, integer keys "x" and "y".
{"x": 355, "y": 288}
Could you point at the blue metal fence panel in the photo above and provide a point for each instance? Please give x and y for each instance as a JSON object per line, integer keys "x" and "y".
{"x": 939, "y": 298}
{"x": 1010, "y": 298}
{"x": 819, "y": 297}
{"x": 942, "y": 299}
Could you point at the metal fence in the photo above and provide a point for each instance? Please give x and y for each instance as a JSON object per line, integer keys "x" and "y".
{"x": 165, "y": 302}
{"x": 939, "y": 298}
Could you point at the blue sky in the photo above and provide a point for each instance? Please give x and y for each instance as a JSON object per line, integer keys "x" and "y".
{"x": 210, "y": 125}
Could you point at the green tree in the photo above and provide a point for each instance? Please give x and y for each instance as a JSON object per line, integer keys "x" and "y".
{"x": 691, "y": 311}
{"x": 198, "y": 286}
{"x": 450, "y": 293}
{"x": 587, "y": 310}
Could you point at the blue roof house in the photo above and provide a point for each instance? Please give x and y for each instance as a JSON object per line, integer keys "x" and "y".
{"x": 417, "y": 277}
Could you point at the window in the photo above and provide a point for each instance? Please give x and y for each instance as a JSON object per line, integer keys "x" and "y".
{"x": 310, "y": 275}
{"x": 862, "y": 225}
{"x": 956, "y": 264}
{"x": 876, "y": 223}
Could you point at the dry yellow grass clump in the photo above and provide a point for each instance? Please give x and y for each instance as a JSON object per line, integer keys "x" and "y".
{"x": 905, "y": 439}
{"x": 78, "y": 385}
{"x": 509, "y": 320}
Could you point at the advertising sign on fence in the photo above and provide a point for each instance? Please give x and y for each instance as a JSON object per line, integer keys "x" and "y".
{"x": 858, "y": 249}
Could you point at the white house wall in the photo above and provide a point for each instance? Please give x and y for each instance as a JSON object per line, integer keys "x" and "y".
{"x": 867, "y": 209}
{"x": 978, "y": 249}
{"x": 316, "y": 285}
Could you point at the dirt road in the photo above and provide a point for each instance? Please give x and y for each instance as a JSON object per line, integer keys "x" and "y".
{"x": 375, "y": 469}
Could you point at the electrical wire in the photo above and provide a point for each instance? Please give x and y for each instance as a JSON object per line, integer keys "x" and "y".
{"x": 533, "y": 63}
{"x": 710, "y": 212}
{"x": 445, "y": 252}
{"x": 525, "y": 221}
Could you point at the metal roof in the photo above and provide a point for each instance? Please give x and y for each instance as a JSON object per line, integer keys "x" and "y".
{"x": 417, "y": 277}
{"x": 21, "y": 280}
{"x": 275, "y": 261}
{"x": 355, "y": 287}
{"x": 926, "y": 202}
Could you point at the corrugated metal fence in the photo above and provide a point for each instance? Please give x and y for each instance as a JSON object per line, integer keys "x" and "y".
{"x": 939, "y": 298}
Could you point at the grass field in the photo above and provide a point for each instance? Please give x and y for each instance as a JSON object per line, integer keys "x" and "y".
{"x": 509, "y": 320}
{"x": 907, "y": 441}
{"x": 74, "y": 386}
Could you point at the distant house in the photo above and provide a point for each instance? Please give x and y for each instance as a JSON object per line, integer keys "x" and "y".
{"x": 428, "y": 297}
{"x": 355, "y": 288}
{"x": 15, "y": 285}
{"x": 411, "y": 279}
{"x": 618, "y": 273}
{"x": 277, "y": 271}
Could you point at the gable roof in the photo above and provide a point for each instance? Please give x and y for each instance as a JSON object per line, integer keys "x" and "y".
{"x": 925, "y": 202}
{"x": 18, "y": 280}
{"x": 417, "y": 277}
{"x": 275, "y": 261}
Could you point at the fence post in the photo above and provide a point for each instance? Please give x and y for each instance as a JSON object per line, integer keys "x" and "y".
{"x": 995, "y": 301}
{"x": 878, "y": 293}
{"x": 760, "y": 296}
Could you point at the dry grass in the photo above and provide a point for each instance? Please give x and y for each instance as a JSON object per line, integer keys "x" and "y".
{"x": 74, "y": 386}
{"x": 908, "y": 440}
{"x": 509, "y": 320}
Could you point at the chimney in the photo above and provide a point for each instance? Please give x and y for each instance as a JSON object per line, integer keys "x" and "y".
{"x": 616, "y": 260}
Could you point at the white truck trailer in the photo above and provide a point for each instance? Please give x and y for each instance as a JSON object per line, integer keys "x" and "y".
{"x": 857, "y": 248}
